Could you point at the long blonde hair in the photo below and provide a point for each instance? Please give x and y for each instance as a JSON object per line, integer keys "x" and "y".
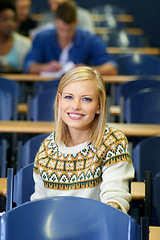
{"x": 98, "y": 124}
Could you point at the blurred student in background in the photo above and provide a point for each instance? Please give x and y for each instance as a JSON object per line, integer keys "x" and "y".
{"x": 24, "y": 22}
{"x": 53, "y": 48}
{"x": 13, "y": 46}
{"x": 84, "y": 19}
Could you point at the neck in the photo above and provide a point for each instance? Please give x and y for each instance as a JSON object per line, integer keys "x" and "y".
{"x": 63, "y": 44}
{"x": 77, "y": 137}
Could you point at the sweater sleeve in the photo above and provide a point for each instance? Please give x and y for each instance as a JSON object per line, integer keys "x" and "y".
{"x": 117, "y": 170}
{"x": 114, "y": 186}
{"x": 39, "y": 187}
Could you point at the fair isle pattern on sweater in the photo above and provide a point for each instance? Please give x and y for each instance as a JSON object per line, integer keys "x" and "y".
{"x": 61, "y": 171}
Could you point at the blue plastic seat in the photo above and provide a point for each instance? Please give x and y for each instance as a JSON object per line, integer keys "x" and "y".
{"x": 61, "y": 218}
{"x": 138, "y": 64}
{"x": 3, "y": 158}
{"x": 41, "y": 87}
{"x": 41, "y": 106}
{"x": 121, "y": 38}
{"x": 23, "y": 185}
{"x": 143, "y": 107}
{"x": 110, "y": 22}
{"x": 11, "y": 91}
{"x": 127, "y": 89}
{"x": 146, "y": 155}
{"x": 156, "y": 199}
{"x": 27, "y": 151}
{"x": 108, "y": 8}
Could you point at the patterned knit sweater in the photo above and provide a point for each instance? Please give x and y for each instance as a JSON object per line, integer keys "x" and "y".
{"x": 83, "y": 171}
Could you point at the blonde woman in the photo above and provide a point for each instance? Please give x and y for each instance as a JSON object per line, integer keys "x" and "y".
{"x": 84, "y": 157}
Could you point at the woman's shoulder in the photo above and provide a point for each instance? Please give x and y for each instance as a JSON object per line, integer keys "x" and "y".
{"x": 49, "y": 139}
{"x": 113, "y": 132}
{"x": 20, "y": 38}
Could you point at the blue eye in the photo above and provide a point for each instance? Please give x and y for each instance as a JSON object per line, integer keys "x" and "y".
{"x": 86, "y": 99}
{"x": 68, "y": 97}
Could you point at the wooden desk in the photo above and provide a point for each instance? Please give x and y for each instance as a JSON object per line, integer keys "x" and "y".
{"x": 26, "y": 77}
{"x": 118, "y": 17}
{"x": 154, "y": 233}
{"x": 138, "y": 190}
{"x": 137, "y": 130}
{"x": 145, "y": 50}
{"x": 3, "y": 186}
{"x": 37, "y": 78}
{"x": 106, "y": 30}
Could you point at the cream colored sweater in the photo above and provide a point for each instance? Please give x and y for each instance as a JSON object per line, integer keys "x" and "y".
{"x": 83, "y": 171}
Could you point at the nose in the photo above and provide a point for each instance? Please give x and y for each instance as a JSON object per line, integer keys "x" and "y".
{"x": 76, "y": 105}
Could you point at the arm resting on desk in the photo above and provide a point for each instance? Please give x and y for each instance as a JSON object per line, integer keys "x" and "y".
{"x": 106, "y": 69}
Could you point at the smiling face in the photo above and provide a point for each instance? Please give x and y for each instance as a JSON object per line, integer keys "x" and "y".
{"x": 78, "y": 104}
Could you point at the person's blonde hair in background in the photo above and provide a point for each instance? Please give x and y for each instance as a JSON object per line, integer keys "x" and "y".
{"x": 98, "y": 124}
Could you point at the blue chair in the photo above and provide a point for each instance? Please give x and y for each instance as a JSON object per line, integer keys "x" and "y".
{"x": 26, "y": 152}
{"x": 6, "y": 199}
{"x": 60, "y": 218}
{"x": 127, "y": 89}
{"x": 138, "y": 64}
{"x": 156, "y": 199}
{"x": 143, "y": 107}
{"x": 110, "y": 22}
{"x": 23, "y": 185}
{"x": 12, "y": 91}
{"x": 152, "y": 197}
{"x": 3, "y": 158}
{"x": 6, "y": 107}
{"x": 41, "y": 87}
{"x": 120, "y": 38}
{"x": 146, "y": 155}
{"x": 41, "y": 106}
{"x": 108, "y": 8}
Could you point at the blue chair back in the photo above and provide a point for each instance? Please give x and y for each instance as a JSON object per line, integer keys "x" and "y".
{"x": 23, "y": 185}
{"x": 143, "y": 107}
{"x": 41, "y": 107}
{"x": 156, "y": 199}
{"x": 110, "y": 22}
{"x": 6, "y": 110}
{"x": 3, "y": 158}
{"x": 9, "y": 86}
{"x": 60, "y": 218}
{"x": 127, "y": 89}
{"x": 12, "y": 90}
{"x": 108, "y": 8}
{"x": 138, "y": 64}
{"x": 146, "y": 156}
{"x": 41, "y": 87}
{"x": 120, "y": 38}
{"x": 27, "y": 152}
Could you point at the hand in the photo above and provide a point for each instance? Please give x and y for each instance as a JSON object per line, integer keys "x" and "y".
{"x": 1, "y": 213}
{"x": 52, "y": 66}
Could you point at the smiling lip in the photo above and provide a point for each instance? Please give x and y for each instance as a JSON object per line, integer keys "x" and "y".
{"x": 75, "y": 116}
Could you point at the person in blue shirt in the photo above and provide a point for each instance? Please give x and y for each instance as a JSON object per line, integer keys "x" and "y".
{"x": 52, "y": 49}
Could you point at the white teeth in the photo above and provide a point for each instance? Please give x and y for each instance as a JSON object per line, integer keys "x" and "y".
{"x": 75, "y": 115}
